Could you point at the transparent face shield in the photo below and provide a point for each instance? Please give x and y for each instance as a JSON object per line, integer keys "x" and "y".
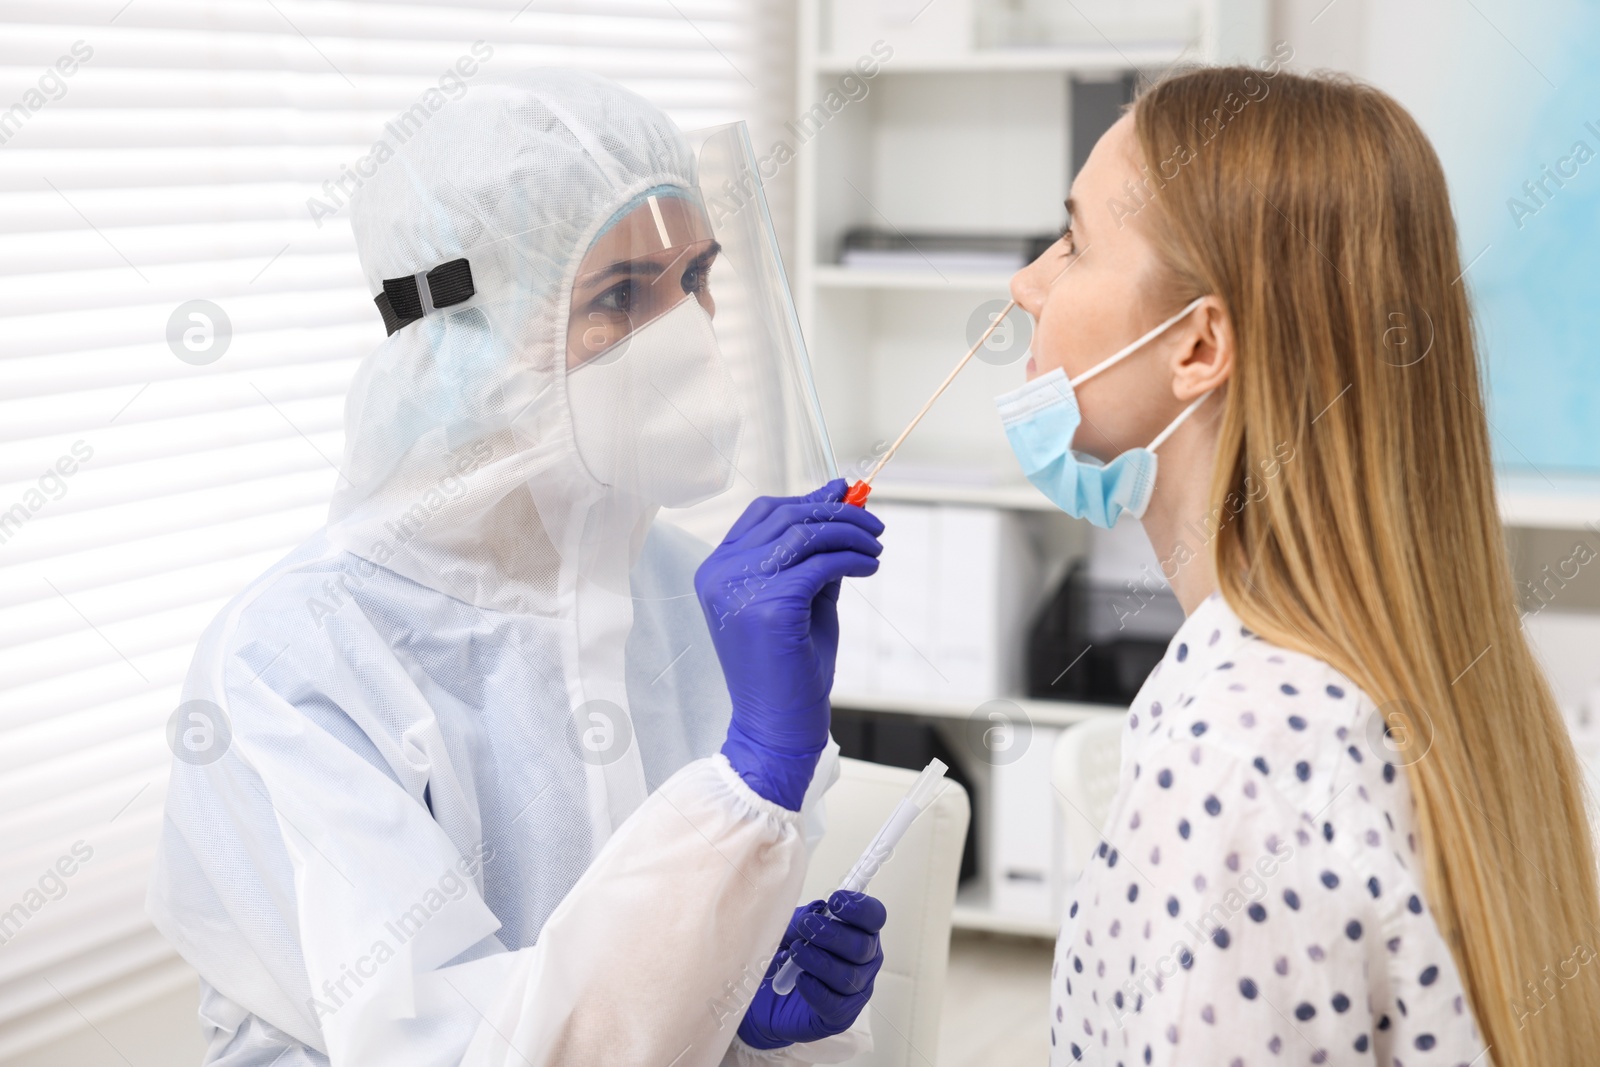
{"x": 655, "y": 415}
{"x": 687, "y": 377}
{"x": 756, "y": 319}
{"x": 546, "y": 393}
{"x": 655, "y": 252}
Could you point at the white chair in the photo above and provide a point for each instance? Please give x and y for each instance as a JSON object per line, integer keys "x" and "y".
{"x": 1087, "y": 762}
{"x": 918, "y": 887}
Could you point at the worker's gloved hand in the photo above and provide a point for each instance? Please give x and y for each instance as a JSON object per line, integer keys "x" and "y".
{"x": 770, "y": 595}
{"x": 839, "y": 959}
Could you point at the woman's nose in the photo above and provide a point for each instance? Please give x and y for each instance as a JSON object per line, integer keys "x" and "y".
{"x": 1028, "y": 288}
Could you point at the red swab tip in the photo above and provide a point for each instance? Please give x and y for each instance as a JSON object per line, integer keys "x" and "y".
{"x": 857, "y": 494}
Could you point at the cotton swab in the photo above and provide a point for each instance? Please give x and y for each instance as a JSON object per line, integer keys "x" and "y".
{"x": 857, "y": 494}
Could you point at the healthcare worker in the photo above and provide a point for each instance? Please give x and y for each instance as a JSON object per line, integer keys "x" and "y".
{"x": 1350, "y": 827}
{"x": 474, "y": 776}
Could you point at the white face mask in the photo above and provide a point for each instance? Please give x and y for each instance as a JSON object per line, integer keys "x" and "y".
{"x": 657, "y": 416}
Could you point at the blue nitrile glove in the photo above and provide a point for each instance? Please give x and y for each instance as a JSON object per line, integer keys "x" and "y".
{"x": 770, "y": 595}
{"x": 839, "y": 958}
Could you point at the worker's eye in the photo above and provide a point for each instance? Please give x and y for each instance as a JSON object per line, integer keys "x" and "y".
{"x": 698, "y": 275}
{"x": 620, "y": 299}
{"x": 694, "y": 279}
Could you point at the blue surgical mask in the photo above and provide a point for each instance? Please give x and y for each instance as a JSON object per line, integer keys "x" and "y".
{"x": 1040, "y": 420}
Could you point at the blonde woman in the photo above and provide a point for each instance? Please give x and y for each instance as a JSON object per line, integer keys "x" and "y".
{"x": 1350, "y": 827}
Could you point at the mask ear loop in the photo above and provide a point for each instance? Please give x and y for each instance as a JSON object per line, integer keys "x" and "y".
{"x": 1133, "y": 347}
{"x": 1175, "y": 423}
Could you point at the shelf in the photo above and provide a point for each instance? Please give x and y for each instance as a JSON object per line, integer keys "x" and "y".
{"x": 972, "y": 912}
{"x": 1564, "y": 502}
{"x": 1085, "y": 59}
{"x": 1016, "y": 496}
{"x": 1039, "y": 712}
{"x": 1559, "y": 502}
{"x": 831, "y": 276}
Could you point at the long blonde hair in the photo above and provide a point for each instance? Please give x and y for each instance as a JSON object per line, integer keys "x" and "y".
{"x": 1317, "y": 211}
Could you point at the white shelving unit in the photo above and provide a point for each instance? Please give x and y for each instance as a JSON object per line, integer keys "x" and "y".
{"x": 1550, "y": 502}
{"x": 976, "y": 141}
{"x": 1527, "y": 500}
{"x": 1074, "y": 60}
{"x": 973, "y": 911}
{"x": 828, "y": 276}
{"x": 1018, "y": 496}
{"x": 1039, "y": 712}
{"x": 950, "y": 137}
{"x": 953, "y": 140}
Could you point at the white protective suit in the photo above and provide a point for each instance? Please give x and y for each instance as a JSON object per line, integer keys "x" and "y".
{"x": 462, "y": 802}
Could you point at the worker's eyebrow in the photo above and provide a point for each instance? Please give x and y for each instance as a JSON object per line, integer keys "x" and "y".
{"x": 646, "y": 267}
{"x": 710, "y": 253}
{"x": 649, "y": 268}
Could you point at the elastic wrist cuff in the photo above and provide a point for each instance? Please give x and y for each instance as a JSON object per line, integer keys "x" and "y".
{"x": 774, "y": 776}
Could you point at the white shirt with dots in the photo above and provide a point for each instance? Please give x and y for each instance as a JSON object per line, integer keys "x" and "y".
{"x": 1257, "y": 896}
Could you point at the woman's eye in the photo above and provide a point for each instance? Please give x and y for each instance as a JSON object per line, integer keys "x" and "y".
{"x": 1066, "y": 235}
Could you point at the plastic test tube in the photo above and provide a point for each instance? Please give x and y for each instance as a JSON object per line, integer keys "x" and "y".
{"x": 879, "y": 850}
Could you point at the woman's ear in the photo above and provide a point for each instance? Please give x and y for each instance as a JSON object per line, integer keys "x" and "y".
{"x": 1204, "y": 359}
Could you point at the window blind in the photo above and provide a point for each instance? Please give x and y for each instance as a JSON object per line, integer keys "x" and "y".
{"x": 155, "y": 153}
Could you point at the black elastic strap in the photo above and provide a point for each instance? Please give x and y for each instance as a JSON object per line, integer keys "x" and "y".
{"x": 450, "y": 283}
{"x": 400, "y": 303}
{"x": 391, "y": 321}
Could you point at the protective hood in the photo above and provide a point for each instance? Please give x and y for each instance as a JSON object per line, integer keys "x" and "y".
{"x": 460, "y": 462}
{"x": 494, "y": 648}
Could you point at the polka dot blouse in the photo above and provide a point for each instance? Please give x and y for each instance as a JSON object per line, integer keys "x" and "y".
{"x": 1257, "y": 896}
